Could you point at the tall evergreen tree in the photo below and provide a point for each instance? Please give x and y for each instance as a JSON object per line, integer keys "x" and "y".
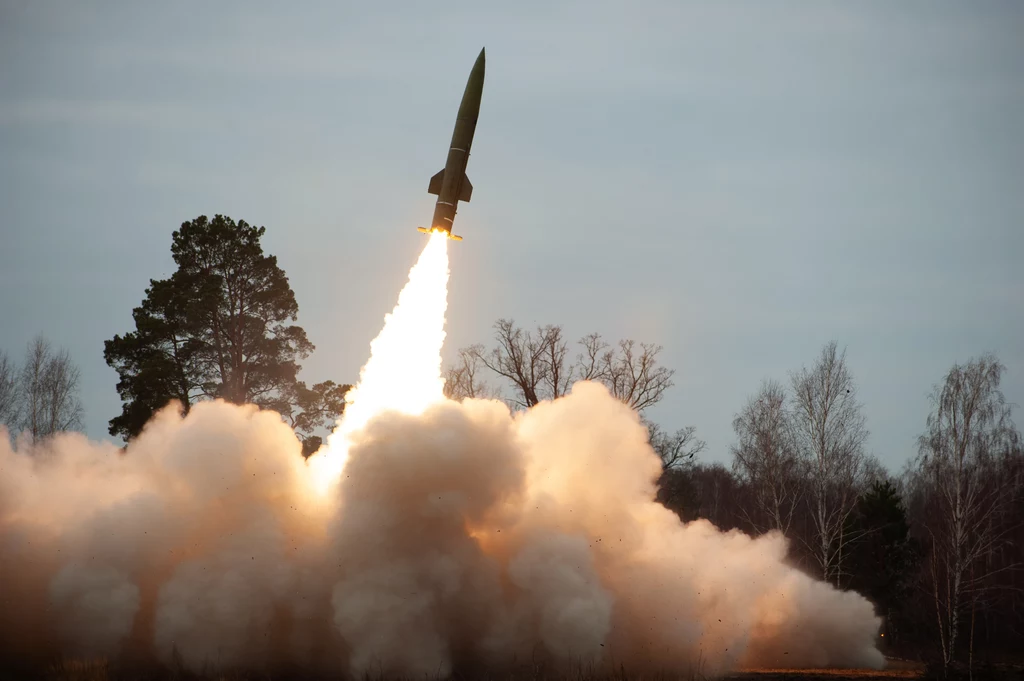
{"x": 219, "y": 327}
{"x": 883, "y": 561}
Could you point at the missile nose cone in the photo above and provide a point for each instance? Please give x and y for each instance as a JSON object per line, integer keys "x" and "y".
{"x": 481, "y": 59}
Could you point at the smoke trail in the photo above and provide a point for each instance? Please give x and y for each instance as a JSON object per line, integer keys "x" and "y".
{"x": 458, "y": 536}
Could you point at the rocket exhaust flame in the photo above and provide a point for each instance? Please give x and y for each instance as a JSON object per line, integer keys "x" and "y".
{"x": 458, "y": 537}
{"x": 403, "y": 373}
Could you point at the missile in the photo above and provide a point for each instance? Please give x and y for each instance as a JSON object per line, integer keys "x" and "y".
{"x": 450, "y": 184}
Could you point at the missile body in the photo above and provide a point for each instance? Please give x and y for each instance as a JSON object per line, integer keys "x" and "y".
{"x": 450, "y": 184}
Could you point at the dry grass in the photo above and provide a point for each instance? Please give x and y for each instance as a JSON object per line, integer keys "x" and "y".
{"x": 79, "y": 670}
{"x": 894, "y": 669}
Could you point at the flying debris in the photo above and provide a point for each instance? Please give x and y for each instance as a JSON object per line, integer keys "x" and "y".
{"x": 450, "y": 184}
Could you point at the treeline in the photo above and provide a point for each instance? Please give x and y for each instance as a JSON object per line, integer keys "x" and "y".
{"x": 938, "y": 548}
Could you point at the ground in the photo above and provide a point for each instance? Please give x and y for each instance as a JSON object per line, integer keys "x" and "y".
{"x": 895, "y": 669}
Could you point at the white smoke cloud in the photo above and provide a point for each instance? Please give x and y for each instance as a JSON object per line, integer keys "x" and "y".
{"x": 428, "y": 537}
{"x": 461, "y": 536}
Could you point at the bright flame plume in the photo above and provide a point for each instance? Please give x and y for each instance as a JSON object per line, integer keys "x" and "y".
{"x": 403, "y": 373}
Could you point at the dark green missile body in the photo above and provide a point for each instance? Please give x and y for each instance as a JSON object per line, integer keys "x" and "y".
{"x": 451, "y": 184}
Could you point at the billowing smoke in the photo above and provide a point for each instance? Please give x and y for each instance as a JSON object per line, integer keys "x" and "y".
{"x": 451, "y": 536}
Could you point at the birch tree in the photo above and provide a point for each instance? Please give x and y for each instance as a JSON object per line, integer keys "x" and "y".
{"x": 969, "y": 436}
{"x": 765, "y": 457}
{"x": 8, "y": 391}
{"x": 47, "y": 391}
{"x": 830, "y": 432}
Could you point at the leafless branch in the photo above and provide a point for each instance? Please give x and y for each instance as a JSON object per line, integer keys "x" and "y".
{"x": 677, "y": 449}
{"x": 461, "y": 380}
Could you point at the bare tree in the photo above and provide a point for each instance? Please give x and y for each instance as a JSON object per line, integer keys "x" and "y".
{"x": 537, "y": 365}
{"x": 874, "y": 471}
{"x": 519, "y": 357}
{"x": 970, "y": 436}
{"x": 829, "y": 431}
{"x": 765, "y": 457}
{"x": 677, "y": 449}
{"x": 9, "y": 406}
{"x": 48, "y": 391}
{"x": 32, "y": 387}
{"x": 462, "y": 381}
{"x": 630, "y": 372}
{"x": 558, "y": 376}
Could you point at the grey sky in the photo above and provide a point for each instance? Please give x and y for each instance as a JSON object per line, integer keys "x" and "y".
{"x": 740, "y": 182}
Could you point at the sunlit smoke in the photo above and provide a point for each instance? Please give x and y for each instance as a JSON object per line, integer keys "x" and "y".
{"x": 458, "y": 536}
{"x": 403, "y": 373}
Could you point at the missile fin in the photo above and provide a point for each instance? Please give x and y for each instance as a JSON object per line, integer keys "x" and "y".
{"x": 435, "y": 183}
{"x": 467, "y": 189}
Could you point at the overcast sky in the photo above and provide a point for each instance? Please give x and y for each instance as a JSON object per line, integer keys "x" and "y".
{"x": 738, "y": 182}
